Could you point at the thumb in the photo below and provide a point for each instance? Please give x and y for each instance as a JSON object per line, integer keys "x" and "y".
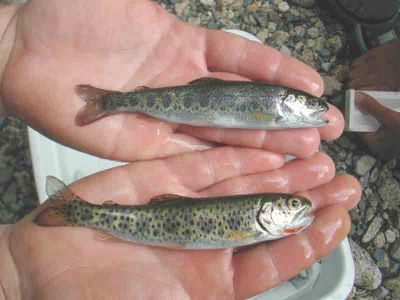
{"x": 386, "y": 116}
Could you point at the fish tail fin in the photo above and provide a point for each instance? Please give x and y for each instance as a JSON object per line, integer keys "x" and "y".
{"x": 93, "y": 110}
{"x": 56, "y": 211}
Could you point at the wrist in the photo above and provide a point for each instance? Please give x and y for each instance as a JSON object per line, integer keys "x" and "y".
{"x": 8, "y": 26}
{"x": 9, "y": 282}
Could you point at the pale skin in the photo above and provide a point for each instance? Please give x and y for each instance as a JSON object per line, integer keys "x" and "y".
{"x": 75, "y": 263}
{"x": 50, "y": 46}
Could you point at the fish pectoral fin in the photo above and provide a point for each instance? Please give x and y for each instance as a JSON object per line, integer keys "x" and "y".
{"x": 239, "y": 235}
{"x": 141, "y": 88}
{"x": 203, "y": 80}
{"x": 167, "y": 198}
{"x": 263, "y": 116}
{"x": 54, "y": 186}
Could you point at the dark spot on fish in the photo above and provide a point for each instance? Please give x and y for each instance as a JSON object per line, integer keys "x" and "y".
{"x": 102, "y": 215}
{"x": 203, "y": 102}
{"x": 150, "y": 101}
{"x": 187, "y": 232}
{"x": 166, "y": 101}
{"x": 125, "y": 226}
{"x": 187, "y": 102}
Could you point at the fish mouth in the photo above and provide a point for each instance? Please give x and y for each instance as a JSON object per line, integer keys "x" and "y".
{"x": 301, "y": 221}
{"x": 317, "y": 114}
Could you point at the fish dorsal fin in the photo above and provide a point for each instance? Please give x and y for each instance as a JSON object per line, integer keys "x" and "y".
{"x": 167, "y": 198}
{"x": 141, "y": 88}
{"x": 54, "y": 186}
{"x": 204, "y": 80}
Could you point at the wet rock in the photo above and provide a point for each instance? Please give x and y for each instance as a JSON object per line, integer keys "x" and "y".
{"x": 254, "y": 6}
{"x": 298, "y": 46}
{"x": 382, "y": 259}
{"x": 369, "y": 214}
{"x": 6, "y": 173}
{"x": 392, "y": 283}
{"x": 263, "y": 35}
{"x": 331, "y": 85}
{"x": 310, "y": 43}
{"x": 364, "y": 164}
{"x": 389, "y": 191}
{"x": 283, "y": 7}
{"x": 326, "y": 66}
{"x": 340, "y": 72}
{"x": 334, "y": 44}
{"x": 271, "y": 27}
{"x": 373, "y": 229}
{"x": 285, "y": 50}
{"x": 344, "y": 141}
{"x": 182, "y": 8}
{"x": 367, "y": 274}
{"x": 280, "y": 37}
{"x": 324, "y": 52}
{"x": 312, "y": 32}
{"x": 382, "y": 292}
{"x": 390, "y": 236}
{"x": 208, "y": 3}
{"x": 394, "y": 251}
{"x": 262, "y": 19}
{"x": 373, "y": 177}
{"x": 380, "y": 240}
{"x": 304, "y": 3}
{"x": 355, "y": 216}
{"x": 300, "y": 31}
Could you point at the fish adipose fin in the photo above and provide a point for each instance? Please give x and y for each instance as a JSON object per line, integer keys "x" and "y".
{"x": 167, "y": 198}
{"x": 93, "y": 109}
{"x": 204, "y": 80}
{"x": 54, "y": 211}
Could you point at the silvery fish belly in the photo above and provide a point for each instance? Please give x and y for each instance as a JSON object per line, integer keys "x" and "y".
{"x": 210, "y": 102}
{"x": 181, "y": 222}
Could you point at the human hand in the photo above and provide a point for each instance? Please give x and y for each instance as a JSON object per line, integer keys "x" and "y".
{"x": 71, "y": 263}
{"x": 122, "y": 44}
{"x": 386, "y": 140}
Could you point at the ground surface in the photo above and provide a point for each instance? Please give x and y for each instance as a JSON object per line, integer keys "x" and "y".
{"x": 304, "y": 30}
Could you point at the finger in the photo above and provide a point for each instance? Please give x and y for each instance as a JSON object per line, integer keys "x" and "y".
{"x": 335, "y": 127}
{"x": 387, "y": 117}
{"x": 343, "y": 190}
{"x": 181, "y": 175}
{"x": 226, "y": 52}
{"x": 301, "y": 143}
{"x": 277, "y": 261}
{"x": 296, "y": 175}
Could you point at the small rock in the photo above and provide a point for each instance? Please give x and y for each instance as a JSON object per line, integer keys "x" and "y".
{"x": 373, "y": 177}
{"x": 312, "y": 32}
{"x": 300, "y": 31}
{"x": 298, "y": 46}
{"x": 394, "y": 251}
{"x": 304, "y": 3}
{"x": 181, "y": 7}
{"x": 382, "y": 259}
{"x": 367, "y": 274}
{"x": 263, "y": 35}
{"x": 261, "y": 18}
{"x": 271, "y": 27}
{"x": 331, "y": 85}
{"x": 254, "y": 6}
{"x": 373, "y": 229}
{"x": 6, "y": 174}
{"x": 391, "y": 164}
{"x": 392, "y": 283}
{"x": 308, "y": 57}
{"x": 334, "y": 44}
{"x": 390, "y": 236}
{"x": 340, "y": 72}
{"x": 273, "y": 16}
{"x": 389, "y": 191}
{"x": 382, "y": 292}
{"x": 379, "y": 254}
{"x": 280, "y": 37}
{"x": 380, "y": 240}
{"x": 326, "y": 66}
{"x": 324, "y": 52}
{"x": 364, "y": 164}
{"x": 319, "y": 43}
{"x": 194, "y": 20}
{"x": 283, "y": 7}
{"x": 355, "y": 216}
{"x": 396, "y": 174}
{"x": 344, "y": 141}
{"x": 207, "y": 2}
{"x": 285, "y": 50}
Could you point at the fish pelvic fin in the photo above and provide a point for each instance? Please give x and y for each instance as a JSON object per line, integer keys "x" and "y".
{"x": 56, "y": 211}
{"x": 93, "y": 110}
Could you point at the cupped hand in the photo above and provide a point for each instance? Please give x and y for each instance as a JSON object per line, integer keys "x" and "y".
{"x": 73, "y": 263}
{"x": 385, "y": 142}
{"x": 119, "y": 45}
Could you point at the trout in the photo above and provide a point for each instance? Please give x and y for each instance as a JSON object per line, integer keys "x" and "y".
{"x": 209, "y": 102}
{"x": 181, "y": 222}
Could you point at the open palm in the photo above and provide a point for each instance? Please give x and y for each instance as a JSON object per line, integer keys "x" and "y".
{"x": 73, "y": 263}
{"x": 122, "y": 44}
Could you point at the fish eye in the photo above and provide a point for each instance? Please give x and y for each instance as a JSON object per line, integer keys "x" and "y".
{"x": 313, "y": 102}
{"x": 294, "y": 203}
{"x": 302, "y": 98}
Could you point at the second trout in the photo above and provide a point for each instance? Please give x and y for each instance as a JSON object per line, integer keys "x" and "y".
{"x": 210, "y": 102}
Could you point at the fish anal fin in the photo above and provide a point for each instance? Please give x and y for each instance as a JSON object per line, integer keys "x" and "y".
{"x": 141, "y": 88}
{"x": 166, "y": 198}
{"x": 259, "y": 116}
{"x": 240, "y": 235}
{"x": 204, "y": 80}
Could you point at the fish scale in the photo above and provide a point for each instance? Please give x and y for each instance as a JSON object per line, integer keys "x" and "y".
{"x": 182, "y": 222}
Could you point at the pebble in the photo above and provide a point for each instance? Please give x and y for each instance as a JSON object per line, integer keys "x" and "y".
{"x": 392, "y": 283}
{"x": 285, "y": 50}
{"x": 369, "y": 214}
{"x": 372, "y": 230}
{"x": 319, "y": 43}
{"x": 271, "y": 27}
{"x": 300, "y": 31}
{"x": 207, "y": 2}
{"x": 263, "y": 35}
{"x": 380, "y": 240}
{"x": 6, "y": 173}
{"x": 273, "y": 16}
{"x": 283, "y": 7}
{"x": 394, "y": 251}
{"x": 367, "y": 274}
{"x": 181, "y": 7}
{"x": 298, "y": 46}
{"x": 312, "y": 32}
{"x": 310, "y": 43}
{"x": 326, "y": 66}
{"x": 364, "y": 164}
{"x": 390, "y": 236}
{"x": 304, "y": 3}
{"x": 332, "y": 86}
{"x": 389, "y": 191}
{"x": 324, "y": 52}
{"x": 334, "y": 44}
{"x": 280, "y": 37}
{"x": 254, "y": 6}
{"x": 343, "y": 141}
{"x": 373, "y": 177}
{"x": 340, "y": 72}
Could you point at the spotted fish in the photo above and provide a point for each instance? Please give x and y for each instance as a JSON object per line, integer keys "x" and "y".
{"x": 210, "y": 102}
{"x": 181, "y": 222}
